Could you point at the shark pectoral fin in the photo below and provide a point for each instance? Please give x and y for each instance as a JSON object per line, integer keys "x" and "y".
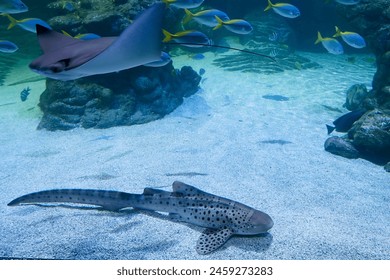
{"x": 212, "y": 239}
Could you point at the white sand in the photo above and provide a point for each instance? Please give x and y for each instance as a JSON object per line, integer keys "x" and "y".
{"x": 323, "y": 206}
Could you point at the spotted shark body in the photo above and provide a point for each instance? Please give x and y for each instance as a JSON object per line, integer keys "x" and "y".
{"x": 221, "y": 217}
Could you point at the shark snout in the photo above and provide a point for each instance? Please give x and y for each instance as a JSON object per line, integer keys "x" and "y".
{"x": 260, "y": 222}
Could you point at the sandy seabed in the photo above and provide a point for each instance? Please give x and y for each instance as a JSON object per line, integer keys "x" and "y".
{"x": 323, "y": 206}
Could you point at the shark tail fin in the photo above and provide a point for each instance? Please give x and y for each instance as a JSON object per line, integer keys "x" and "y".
{"x": 338, "y": 32}
{"x": 188, "y": 16}
{"x": 319, "y": 38}
{"x": 270, "y": 5}
{"x": 167, "y": 36}
{"x": 109, "y": 200}
{"x": 330, "y": 129}
{"x": 220, "y": 23}
{"x": 12, "y": 23}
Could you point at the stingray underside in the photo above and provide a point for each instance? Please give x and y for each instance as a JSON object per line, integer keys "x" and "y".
{"x": 67, "y": 58}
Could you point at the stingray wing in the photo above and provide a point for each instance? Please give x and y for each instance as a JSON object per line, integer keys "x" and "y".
{"x": 62, "y": 53}
{"x": 67, "y": 58}
{"x": 139, "y": 44}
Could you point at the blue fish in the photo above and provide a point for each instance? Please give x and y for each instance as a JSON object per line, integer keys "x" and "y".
{"x": 238, "y": 26}
{"x": 27, "y": 23}
{"x": 87, "y": 36}
{"x": 24, "y": 94}
{"x": 184, "y": 4}
{"x": 206, "y": 17}
{"x": 348, "y": 2}
{"x": 164, "y": 60}
{"x": 189, "y": 38}
{"x": 284, "y": 9}
{"x": 68, "y": 6}
{"x": 351, "y": 38}
{"x": 7, "y": 46}
{"x": 84, "y": 36}
{"x": 330, "y": 44}
{"x": 197, "y": 56}
{"x": 202, "y": 71}
{"x": 12, "y": 6}
{"x": 345, "y": 122}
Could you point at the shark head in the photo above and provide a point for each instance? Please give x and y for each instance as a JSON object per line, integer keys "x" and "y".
{"x": 259, "y": 222}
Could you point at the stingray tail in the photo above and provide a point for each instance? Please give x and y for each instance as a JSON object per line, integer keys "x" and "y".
{"x": 109, "y": 200}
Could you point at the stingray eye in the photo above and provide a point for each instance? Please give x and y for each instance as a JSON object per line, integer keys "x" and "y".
{"x": 56, "y": 68}
{"x": 59, "y": 66}
{"x": 65, "y": 62}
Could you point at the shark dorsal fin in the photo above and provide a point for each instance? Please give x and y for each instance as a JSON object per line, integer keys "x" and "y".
{"x": 50, "y": 40}
{"x": 181, "y": 188}
{"x": 212, "y": 239}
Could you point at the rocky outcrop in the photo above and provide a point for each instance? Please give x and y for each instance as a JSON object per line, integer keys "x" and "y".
{"x": 370, "y": 135}
{"x": 341, "y": 147}
{"x": 133, "y": 96}
{"x": 356, "y": 94}
{"x": 372, "y": 20}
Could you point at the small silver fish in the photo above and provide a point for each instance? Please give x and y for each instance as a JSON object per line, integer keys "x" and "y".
{"x": 221, "y": 217}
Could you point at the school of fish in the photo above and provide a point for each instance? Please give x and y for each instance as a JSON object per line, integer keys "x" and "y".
{"x": 212, "y": 18}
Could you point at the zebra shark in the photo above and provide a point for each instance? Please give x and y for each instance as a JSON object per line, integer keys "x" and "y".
{"x": 221, "y": 217}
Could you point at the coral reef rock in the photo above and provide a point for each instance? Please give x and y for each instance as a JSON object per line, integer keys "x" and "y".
{"x": 341, "y": 147}
{"x": 371, "y": 134}
{"x": 133, "y": 96}
{"x": 355, "y": 97}
{"x": 371, "y": 19}
{"x": 387, "y": 167}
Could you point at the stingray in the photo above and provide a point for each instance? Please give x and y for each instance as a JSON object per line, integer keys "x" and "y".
{"x": 66, "y": 58}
